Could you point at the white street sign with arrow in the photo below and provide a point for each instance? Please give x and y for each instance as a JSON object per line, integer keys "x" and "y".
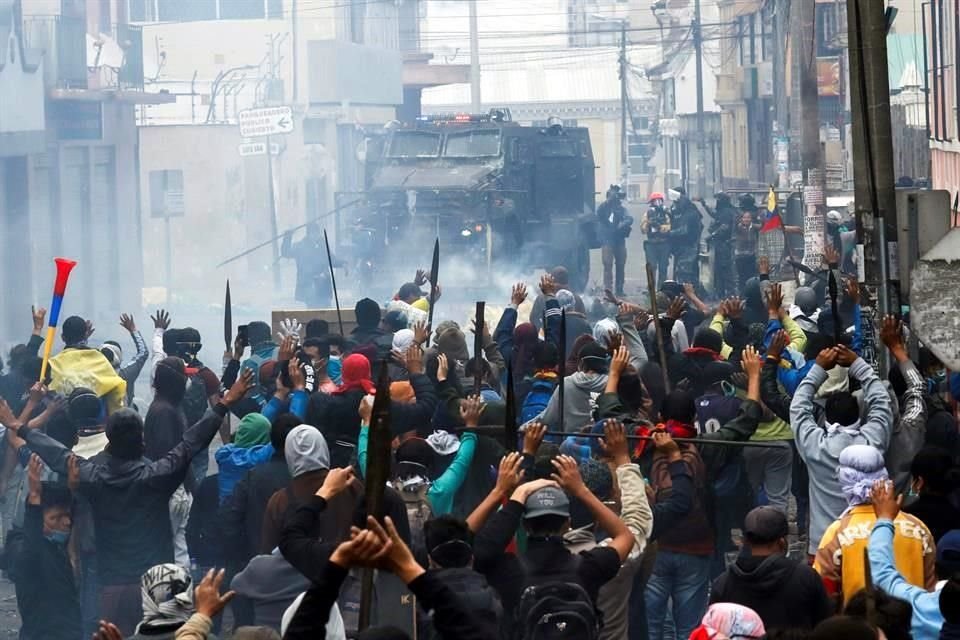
{"x": 267, "y": 121}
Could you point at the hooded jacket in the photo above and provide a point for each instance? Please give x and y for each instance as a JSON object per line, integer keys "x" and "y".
{"x": 308, "y": 460}
{"x": 130, "y": 498}
{"x": 820, "y": 448}
{"x": 272, "y": 584}
{"x": 577, "y": 401}
{"x": 786, "y": 594}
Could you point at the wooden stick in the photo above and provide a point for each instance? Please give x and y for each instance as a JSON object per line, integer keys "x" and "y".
{"x": 652, "y": 289}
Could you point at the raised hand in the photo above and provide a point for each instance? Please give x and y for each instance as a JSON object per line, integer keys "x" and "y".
{"x": 621, "y": 358}
{"x": 763, "y": 265}
{"x": 240, "y": 388}
{"x": 420, "y": 332}
{"x": 126, "y": 321}
{"x": 90, "y": 330}
{"x": 336, "y": 481}
{"x": 666, "y": 446}
{"x": 73, "y": 473}
{"x": 832, "y": 256}
{"x": 518, "y": 294}
{"x": 775, "y": 300}
{"x": 533, "y": 437}
{"x": 827, "y": 358}
{"x": 39, "y": 315}
{"x": 470, "y": 411}
{"x": 34, "y": 482}
{"x": 735, "y": 307}
{"x": 413, "y": 359}
{"x": 548, "y": 286}
{"x": 298, "y": 381}
{"x": 161, "y": 320}
{"x": 891, "y": 333}
{"x": 777, "y": 344}
{"x": 677, "y": 307}
{"x": 852, "y": 287}
{"x": 886, "y": 502}
{"x": 443, "y": 367}
{"x": 288, "y": 348}
{"x": 614, "y": 442}
{"x": 845, "y": 355}
{"x": 567, "y": 475}
{"x": 751, "y": 362}
{"x": 509, "y": 474}
{"x": 207, "y": 598}
{"x": 421, "y": 278}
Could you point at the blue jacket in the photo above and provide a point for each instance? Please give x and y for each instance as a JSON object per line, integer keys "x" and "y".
{"x": 927, "y": 619}
{"x": 299, "y": 401}
{"x": 235, "y": 461}
{"x": 443, "y": 489}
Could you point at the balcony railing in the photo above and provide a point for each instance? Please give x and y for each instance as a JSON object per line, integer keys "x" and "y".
{"x": 73, "y": 59}
{"x": 64, "y": 45}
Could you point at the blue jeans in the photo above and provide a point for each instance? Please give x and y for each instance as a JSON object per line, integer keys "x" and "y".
{"x": 680, "y": 580}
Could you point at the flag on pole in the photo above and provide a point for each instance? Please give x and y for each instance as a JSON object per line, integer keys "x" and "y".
{"x": 772, "y": 218}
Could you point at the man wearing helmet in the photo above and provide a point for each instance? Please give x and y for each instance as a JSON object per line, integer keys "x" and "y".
{"x": 656, "y": 226}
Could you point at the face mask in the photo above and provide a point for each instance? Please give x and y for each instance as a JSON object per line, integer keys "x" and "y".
{"x": 58, "y": 537}
{"x": 334, "y": 368}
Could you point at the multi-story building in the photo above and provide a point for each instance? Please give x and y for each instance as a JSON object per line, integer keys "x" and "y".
{"x": 943, "y": 63}
{"x": 674, "y": 83}
{"x": 344, "y": 69}
{"x": 68, "y": 156}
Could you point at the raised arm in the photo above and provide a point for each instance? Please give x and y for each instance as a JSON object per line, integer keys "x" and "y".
{"x": 132, "y": 369}
{"x": 805, "y": 428}
{"x": 878, "y": 426}
{"x": 775, "y": 400}
{"x": 503, "y": 334}
{"x": 635, "y": 508}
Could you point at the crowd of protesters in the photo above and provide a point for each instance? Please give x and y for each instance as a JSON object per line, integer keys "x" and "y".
{"x": 729, "y": 471}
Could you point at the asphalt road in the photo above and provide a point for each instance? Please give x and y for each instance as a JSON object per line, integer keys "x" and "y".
{"x": 9, "y": 616}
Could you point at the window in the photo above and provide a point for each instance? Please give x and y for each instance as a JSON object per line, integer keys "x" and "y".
{"x": 241, "y": 9}
{"x": 186, "y": 10}
{"x": 166, "y": 193}
{"x": 558, "y": 148}
{"x": 414, "y": 144}
{"x": 473, "y": 144}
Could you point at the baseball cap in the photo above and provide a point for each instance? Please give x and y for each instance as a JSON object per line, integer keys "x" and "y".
{"x": 948, "y": 551}
{"x": 765, "y": 524}
{"x": 548, "y": 501}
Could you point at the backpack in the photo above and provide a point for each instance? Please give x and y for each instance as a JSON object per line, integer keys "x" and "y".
{"x": 554, "y": 611}
{"x": 536, "y": 401}
{"x": 195, "y": 401}
{"x": 418, "y": 512}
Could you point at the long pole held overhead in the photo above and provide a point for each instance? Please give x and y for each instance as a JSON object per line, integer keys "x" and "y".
{"x": 563, "y": 361}
{"x": 478, "y": 346}
{"x": 228, "y": 319}
{"x": 378, "y": 472}
{"x": 652, "y": 291}
{"x": 290, "y": 230}
{"x": 434, "y": 274}
{"x": 333, "y": 280}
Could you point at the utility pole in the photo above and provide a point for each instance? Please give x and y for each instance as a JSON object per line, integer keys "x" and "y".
{"x": 475, "y": 102}
{"x": 873, "y": 152}
{"x": 271, "y": 192}
{"x": 701, "y": 129}
{"x": 803, "y": 47}
{"x": 624, "y": 109}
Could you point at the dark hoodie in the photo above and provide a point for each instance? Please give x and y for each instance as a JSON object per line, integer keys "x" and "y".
{"x": 785, "y": 594}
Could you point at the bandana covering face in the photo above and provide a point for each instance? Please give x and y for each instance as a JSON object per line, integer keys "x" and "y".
{"x": 167, "y": 594}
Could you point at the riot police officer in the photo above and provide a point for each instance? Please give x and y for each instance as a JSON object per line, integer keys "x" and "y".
{"x": 615, "y": 227}
{"x": 656, "y": 226}
{"x": 684, "y": 234}
{"x": 721, "y": 239}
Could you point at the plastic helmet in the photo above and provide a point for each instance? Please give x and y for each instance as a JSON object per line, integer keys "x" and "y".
{"x": 656, "y": 195}
{"x": 834, "y": 217}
